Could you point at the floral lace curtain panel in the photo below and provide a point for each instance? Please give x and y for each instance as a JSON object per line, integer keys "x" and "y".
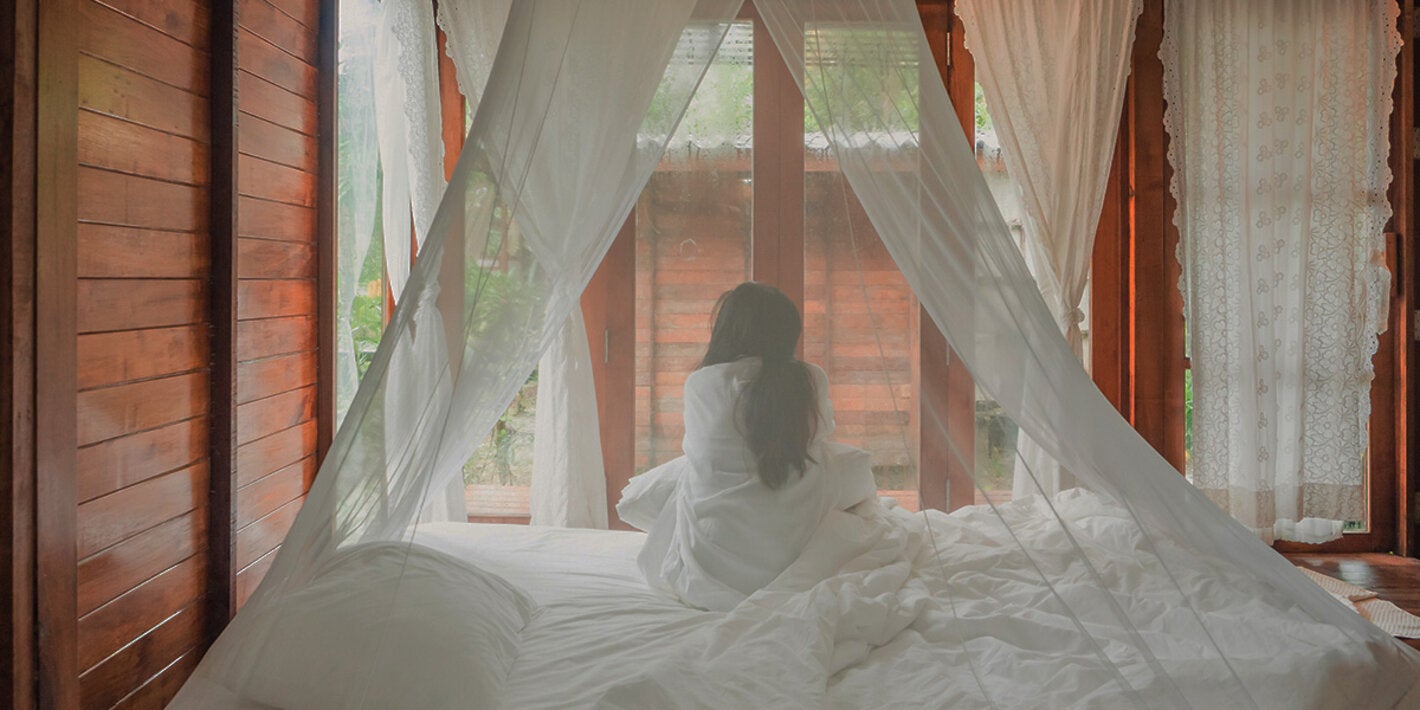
{"x": 1278, "y": 116}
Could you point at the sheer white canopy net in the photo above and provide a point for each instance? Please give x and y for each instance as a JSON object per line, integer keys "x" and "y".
{"x": 1163, "y": 602}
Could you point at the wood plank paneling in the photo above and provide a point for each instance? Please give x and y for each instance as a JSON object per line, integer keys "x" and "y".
{"x": 267, "y": 259}
{"x": 128, "y": 200}
{"x": 117, "y": 91}
{"x": 275, "y": 298}
{"x": 260, "y": 498}
{"x": 274, "y": 182}
{"x": 265, "y": 417}
{"x": 268, "y": 101}
{"x": 269, "y": 337}
{"x": 125, "y": 356}
{"x": 125, "y": 147}
{"x": 117, "y": 623}
{"x": 266, "y": 60}
{"x": 182, "y": 20}
{"x": 306, "y": 12}
{"x": 108, "y": 466}
{"x": 264, "y": 535}
{"x": 275, "y": 26}
{"x": 266, "y": 455}
{"x": 109, "y": 573}
{"x": 110, "y": 681}
{"x": 263, "y": 378}
{"x": 275, "y": 220}
{"x": 123, "y": 252}
{"x": 158, "y": 691}
{"x": 251, "y": 576}
{"x": 125, "y": 304}
{"x": 118, "y": 516}
{"x": 122, "y": 40}
{"x": 115, "y": 411}
{"x": 266, "y": 140}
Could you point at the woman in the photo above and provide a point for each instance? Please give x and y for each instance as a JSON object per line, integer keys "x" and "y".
{"x": 759, "y": 473}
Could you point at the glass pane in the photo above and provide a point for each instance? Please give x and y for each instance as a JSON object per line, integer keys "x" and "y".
{"x": 497, "y": 478}
{"x": 996, "y": 433}
{"x": 860, "y": 315}
{"x": 693, "y": 242}
{"x": 860, "y": 325}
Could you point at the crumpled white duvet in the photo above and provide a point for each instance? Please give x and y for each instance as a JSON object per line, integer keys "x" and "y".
{"x": 889, "y": 609}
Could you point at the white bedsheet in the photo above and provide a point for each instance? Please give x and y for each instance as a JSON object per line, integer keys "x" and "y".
{"x": 869, "y": 617}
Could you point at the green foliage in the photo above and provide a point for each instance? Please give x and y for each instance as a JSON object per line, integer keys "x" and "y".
{"x": 983, "y": 116}
{"x": 1187, "y": 417}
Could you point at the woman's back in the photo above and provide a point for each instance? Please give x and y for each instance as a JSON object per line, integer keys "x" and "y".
{"x": 726, "y": 533}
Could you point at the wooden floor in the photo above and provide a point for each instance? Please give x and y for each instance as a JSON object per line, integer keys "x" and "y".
{"x": 1396, "y": 579}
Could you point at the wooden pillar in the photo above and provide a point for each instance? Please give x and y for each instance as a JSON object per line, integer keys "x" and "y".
{"x": 18, "y": 100}
{"x": 327, "y": 223}
{"x": 608, "y": 306}
{"x": 1111, "y": 322}
{"x": 778, "y": 250}
{"x": 55, "y": 358}
{"x": 947, "y": 400}
{"x": 1156, "y": 344}
{"x": 1404, "y": 263}
{"x": 222, "y": 306}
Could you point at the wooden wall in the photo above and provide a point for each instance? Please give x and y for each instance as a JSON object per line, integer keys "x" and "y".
{"x": 173, "y": 264}
{"x": 277, "y": 330}
{"x": 143, "y": 346}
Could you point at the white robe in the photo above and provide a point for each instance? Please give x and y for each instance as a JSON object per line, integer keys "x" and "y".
{"x": 723, "y": 535}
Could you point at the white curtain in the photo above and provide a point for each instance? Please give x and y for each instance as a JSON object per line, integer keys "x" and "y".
{"x": 1054, "y": 74}
{"x": 1278, "y": 116}
{"x": 568, "y": 478}
{"x": 412, "y": 164}
{"x": 358, "y": 181}
{"x": 411, "y": 145}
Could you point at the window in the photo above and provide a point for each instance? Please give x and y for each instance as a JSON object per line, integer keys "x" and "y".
{"x": 748, "y": 189}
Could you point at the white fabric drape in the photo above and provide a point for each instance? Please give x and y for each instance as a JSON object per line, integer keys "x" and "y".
{"x": 580, "y": 104}
{"x": 1278, "y": 116}
{"x": 1054, "y": 75}
{"x": 411, "y": 146}
{"x": 358, "y": 181}
{"x": 568, "y": 479}
{"x": 412, "y": 160}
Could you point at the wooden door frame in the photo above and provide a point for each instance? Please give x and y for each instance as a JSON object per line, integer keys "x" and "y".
{"x": 18, "y": 110}
{"x": 38, "y": 545}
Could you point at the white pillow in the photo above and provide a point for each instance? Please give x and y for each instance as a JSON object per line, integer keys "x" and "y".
{"x": 384, "y": 629}
{"x": 645, "y": 495}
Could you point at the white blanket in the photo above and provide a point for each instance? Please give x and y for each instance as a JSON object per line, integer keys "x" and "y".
{"x": 886, "y": 609}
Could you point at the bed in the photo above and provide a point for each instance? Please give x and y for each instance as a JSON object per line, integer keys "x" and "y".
{"x": 884, "y": 609}
{"x": 981, "y": 625}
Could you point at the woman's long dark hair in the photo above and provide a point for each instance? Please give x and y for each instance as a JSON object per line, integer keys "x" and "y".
{"x": 778, "y": 410}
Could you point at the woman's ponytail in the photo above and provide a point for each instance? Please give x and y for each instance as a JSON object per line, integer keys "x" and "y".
{"x": 780, "y": 418}
{"x": 778, "y": 409}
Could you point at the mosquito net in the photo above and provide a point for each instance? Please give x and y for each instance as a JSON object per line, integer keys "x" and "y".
{"x": 1162, "y": 602}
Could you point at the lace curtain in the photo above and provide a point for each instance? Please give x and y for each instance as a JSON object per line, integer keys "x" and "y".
{"x": 1278, "y": 116}
{"x": 1054, "y": 76}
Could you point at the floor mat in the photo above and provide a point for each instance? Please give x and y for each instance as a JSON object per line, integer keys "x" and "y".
{"x": 1389, "y": 617}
